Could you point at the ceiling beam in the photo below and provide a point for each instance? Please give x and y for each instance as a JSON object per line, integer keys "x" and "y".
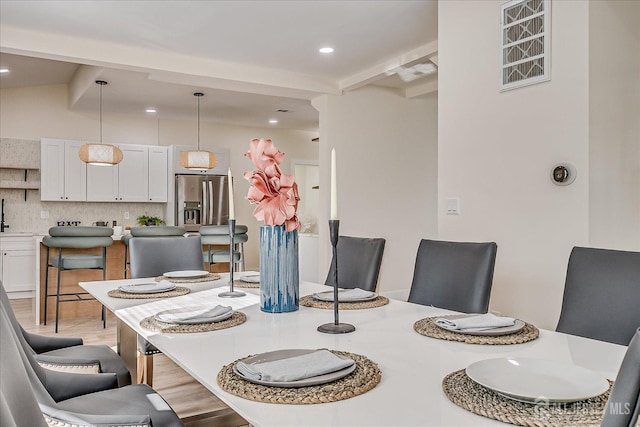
{"x": 421, "y": 89}
{"x": 164, "y": 66}
{"x": 83, "y": 79}
{"x": 382, "y": 70}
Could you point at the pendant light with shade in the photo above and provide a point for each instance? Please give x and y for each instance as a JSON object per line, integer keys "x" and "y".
{"x": 199, "y": 159}
{"x": 100, "y": 154}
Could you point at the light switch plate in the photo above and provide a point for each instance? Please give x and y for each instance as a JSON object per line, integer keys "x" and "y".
{"x": 453, "y": 205}
{"x": 126, "y": 215}
{"x": 44, "y": 214}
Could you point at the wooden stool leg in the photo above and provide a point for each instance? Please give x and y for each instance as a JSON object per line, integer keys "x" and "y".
{"x": 145, "y": 369}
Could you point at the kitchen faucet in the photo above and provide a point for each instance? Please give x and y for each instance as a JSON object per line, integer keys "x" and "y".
{"x": 2, "y": 224}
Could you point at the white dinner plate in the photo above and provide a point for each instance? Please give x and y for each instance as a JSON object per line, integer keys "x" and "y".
{"x": 504, "y": 330}
{"x": 250, "y": 278}
{"x": 186, "y": 274}
{"x": 146, "y": 288}
{"x": 328, "y": 296}
{"x": 192, "y": 321}
{"x": 533, "y": 380}
{"x": 284, "y": 354}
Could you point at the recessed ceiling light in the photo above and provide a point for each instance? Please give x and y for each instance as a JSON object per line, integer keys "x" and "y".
{"x": 326, "y": 50}
{"x": 273, "y": 121}
{"x": 4, "y": 70}
{"x": 151, "y": 110}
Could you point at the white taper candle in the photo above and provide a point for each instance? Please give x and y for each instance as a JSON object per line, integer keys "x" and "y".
{"x": 232, "y": 212}
{"x": 334, "y": 187}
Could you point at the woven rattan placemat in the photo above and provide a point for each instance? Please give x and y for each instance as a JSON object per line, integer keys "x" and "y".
{"x": 245, "y": 285}
{"x": 365, "y": 377}
{"x": 310, "y": 301}
{"x": 208, "y": 278}
{"x": 151, "y": 324}
{"x": 473, "y": 397}
{"x": 179, "y": 290}
{"x": 428, "y": 328}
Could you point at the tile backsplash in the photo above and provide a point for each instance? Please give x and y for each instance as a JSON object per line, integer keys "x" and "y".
{"x": 24, "y": 215}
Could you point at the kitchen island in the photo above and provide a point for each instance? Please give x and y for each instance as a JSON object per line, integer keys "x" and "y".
{"x": 71, "y": 278}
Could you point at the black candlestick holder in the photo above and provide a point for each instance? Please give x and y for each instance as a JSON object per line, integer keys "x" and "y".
{"x": 231, "y": 293}
{"x": 336, "y": 327}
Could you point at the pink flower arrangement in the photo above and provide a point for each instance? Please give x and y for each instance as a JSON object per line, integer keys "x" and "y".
{"x": 275, "y": 193}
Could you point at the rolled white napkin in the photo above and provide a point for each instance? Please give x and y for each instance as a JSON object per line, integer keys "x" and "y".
{"x": 481, "y": 322}
{"x": 143, "y": 288}
{"x": 193, "y": 314}
{"x": 295, "y": 368}
{"x": 345, "y": 295}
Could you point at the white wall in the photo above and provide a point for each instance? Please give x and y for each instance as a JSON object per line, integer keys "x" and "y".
{"x": 496, "y": 150}
{"x": 614, "y": 124}
{"x": 386, "y": 174}
{"x": 28, "y": 114}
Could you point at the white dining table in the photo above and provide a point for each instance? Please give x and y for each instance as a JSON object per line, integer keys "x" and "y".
{"x": 412, "y": 365}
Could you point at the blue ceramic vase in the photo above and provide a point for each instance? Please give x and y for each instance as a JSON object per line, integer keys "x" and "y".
{"x": 279, "y": 277}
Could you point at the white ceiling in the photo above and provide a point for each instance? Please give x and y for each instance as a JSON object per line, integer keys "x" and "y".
{"x": 250, "y": 58}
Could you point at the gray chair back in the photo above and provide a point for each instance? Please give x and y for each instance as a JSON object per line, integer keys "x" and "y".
{"x": 154, "y": 256}
{"x": 219, "y": 234}
{"x": 157, "y": 231}
{"x": 359, "y": 262}
{"x": 454, "y": 275}
{"x": 78, "y": 237}
{"x": 601, "y": 295}
{"x": 623, "y": 406}
{"x": 18, "y": 405}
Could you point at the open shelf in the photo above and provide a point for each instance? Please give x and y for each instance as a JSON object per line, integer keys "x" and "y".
{"x": 21, "y": 185}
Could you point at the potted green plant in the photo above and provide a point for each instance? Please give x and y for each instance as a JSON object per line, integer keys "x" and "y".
{"x": 145, "y": 220}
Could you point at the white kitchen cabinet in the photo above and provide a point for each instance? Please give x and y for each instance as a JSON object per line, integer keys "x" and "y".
{"x": 133, "y": 174}
{"x": 18, "y": 265}
{"x": 142, "y": 176}
{"x": 158, "y": 173}
{"x": 102, "y": 183}
{"x": 63, "y": 174}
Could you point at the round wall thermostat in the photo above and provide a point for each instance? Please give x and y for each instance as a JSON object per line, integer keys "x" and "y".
{"x": 563, "y": 173}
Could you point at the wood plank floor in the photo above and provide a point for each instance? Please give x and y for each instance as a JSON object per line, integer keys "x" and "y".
{"x": 185, "y": 395}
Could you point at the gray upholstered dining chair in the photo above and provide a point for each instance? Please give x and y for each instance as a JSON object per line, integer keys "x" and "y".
{"x": 601, "y": 295}
{"x": 151, "y": 257}
{"x": 79, "y": 238}
{"x": 18, "y": 406}
{"x": 623, "y": 406}
{"x": 155, "y": 231}
{"x": 359, "y": 260}
{"x": 65, "y": 353}
{"x": 213, "y": 235}
{"x": 75, "y": 399}
{"x": 454, "y": 275}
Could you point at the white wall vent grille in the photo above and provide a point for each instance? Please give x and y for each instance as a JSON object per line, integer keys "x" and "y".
{"x": 526, "y": 29}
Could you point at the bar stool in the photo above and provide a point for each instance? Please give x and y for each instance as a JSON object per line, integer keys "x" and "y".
{"x": 160, "y": 231}
{"x": 219, "y": 235}
{"x": 75, "y": 238}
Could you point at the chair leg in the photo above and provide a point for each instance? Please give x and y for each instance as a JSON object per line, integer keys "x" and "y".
{"x": 126, "y": 250}
{"x": 104, "y": 277}
{"x": 242, "y": 257}
{"x": 46, "y": 286}
{"x": 145, "y": 369}
{"x": 60, "y": 268}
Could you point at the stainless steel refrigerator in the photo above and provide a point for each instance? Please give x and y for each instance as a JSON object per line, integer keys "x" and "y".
{"x": 201, "y": 200}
